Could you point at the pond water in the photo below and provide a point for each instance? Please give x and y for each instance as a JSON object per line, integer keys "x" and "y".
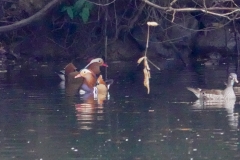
{"x": 39, "y": 121}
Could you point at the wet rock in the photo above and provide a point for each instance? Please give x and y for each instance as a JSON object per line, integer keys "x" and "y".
{"x": 215, "y": 55}
{"x": 217, "y": 37}
{"x": 40, "y": 48}
{"x": 214, "y": 58}
{"x": 220, "y": 40}
{"x": 124, "y": 50}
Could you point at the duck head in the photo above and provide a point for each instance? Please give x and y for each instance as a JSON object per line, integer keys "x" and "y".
{"x": 89, "y": 79}
{"x": 232, "y": 78}
{"x": 95, "y": 65}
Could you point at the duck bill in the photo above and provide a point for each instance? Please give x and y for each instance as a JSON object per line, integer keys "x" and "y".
{"x": 236, "y": 80}
{"x": 105, "y": 65}
{"x": 77, "y": 76}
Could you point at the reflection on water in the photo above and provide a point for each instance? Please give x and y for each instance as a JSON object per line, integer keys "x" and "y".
{"x": 38, "y": 120}
{"x": 87, "y": 114}
{"x": 227, "y": 105}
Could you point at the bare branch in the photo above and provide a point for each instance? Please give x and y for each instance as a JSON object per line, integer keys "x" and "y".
{"x": 173, "y": 16}
{"x": 31, "y": 19}
{"x": 154, "y": 5}
{"x": 204, "y": 4}
{"x": 106, "y": 4}
{"x": 174, "y": 1}
{"x": 210, "y": 10}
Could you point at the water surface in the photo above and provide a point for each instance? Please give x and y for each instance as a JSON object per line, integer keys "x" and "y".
{"x": 39, "y": 121}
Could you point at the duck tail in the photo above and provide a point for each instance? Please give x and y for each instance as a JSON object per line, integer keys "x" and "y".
{"x": 61, "y": 74}
{"x": 109, "y": 82}
{"x": 196, "y": 91}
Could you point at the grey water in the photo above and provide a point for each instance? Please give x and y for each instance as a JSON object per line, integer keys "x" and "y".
{"x": 39, "y": 121}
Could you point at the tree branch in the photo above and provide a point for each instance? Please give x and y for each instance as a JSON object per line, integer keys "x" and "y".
{"x": 31, "y": 19}
{"x": 209, "y": 10}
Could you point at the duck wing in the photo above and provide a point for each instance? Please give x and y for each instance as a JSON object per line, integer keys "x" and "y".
{"x": 206, "y": 93}
{"x": 209, "y": 94}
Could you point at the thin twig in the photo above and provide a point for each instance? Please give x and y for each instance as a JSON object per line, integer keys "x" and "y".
{"x": 147, "y": 41}
{"x": 173, "y": 16}
{"x": 154, "y": 64}
{"x": 174, "y": 1}
{"x": 106, "y": 37}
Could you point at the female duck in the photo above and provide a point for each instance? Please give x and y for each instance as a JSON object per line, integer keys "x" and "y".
{"x": 216, "y": 94}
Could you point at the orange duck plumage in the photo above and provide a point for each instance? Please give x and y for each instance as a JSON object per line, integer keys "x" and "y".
{"x": 89, "y": 79}
{"x": 72, "y": 84}
{"x": 93, "y": 85}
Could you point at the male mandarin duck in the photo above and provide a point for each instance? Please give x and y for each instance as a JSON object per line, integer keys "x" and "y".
{"x": 89, "y": 79}
{"x": 102, "y": 88}
{"x": 72, "y": 84}
{"x": 70, "y": 71}
{"x": 95, "y": 65}
{"x": 92, "y": 84}
{"x": 216, "y": 94}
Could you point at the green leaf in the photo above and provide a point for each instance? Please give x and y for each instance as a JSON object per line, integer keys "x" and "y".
{"x": 64, "y": 8}
{"x": 85, "y": 14}
{"x": 70, "y": 12}
{"x": 89, "y": 5}
{"x": 78, "y": 5}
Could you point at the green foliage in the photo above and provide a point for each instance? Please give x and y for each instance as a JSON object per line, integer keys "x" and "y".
{"x": 81, "y": 9}
{"x": 70, "y": 12}
{"x": 84, "y": 14}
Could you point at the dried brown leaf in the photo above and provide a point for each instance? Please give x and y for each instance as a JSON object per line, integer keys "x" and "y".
{"x": 140, "y": 59}
{"x": 146, "y": 64}
{"x": 146, "y": 79}
{"x": 149, "y": 74}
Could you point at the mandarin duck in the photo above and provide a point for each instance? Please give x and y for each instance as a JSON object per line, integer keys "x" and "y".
{"x": 89, "y": 80}
{"x": 102, "y": 88}
{"x": 92, "y": 84}
{"x": 70, "y": 71}
{"x": 216, "y": 94}
{"x": 72, "y": 84}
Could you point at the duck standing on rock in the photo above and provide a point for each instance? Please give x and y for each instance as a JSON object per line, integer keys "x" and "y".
{"x": 216, "y": 94}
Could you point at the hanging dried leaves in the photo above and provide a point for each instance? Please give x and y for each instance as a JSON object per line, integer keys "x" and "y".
{"x": 146, "y": 72}
{"x": 146, "y": 69}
